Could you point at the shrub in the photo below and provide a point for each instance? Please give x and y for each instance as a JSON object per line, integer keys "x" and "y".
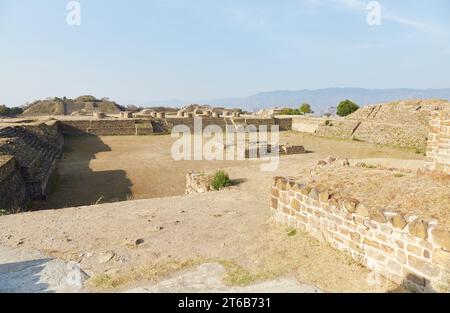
{"x": 220, "y": 180}
{"x": 5, "y": 111}
{"x": 346, "y": 107}
{"x": 288, "y": 111}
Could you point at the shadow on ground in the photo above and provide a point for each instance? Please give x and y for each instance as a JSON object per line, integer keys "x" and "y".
{"x": 23, "y": 276}
{"x": 75, "y": 184}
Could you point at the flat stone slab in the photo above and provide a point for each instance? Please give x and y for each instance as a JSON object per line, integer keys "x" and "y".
{"x": 207, "y": 278}
{"x": 27, "y": 271}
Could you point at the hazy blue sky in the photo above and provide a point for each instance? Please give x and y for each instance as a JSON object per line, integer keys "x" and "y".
{"x": 133, "y": 51}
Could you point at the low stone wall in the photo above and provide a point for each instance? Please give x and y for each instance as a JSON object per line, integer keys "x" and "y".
{"x": 131, "y": 127}
{"x": 306, "y": 124}
{"x": 406, "y": 250}
{"x": 13, "y": 193}
{"x": 123, "y": 127}
{"x": 438, "y": 148}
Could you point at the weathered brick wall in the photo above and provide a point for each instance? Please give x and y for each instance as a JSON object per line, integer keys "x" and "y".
{"x": 124, "y": 127}
{"x": 13, "y": 194}
{"x": 406, "y": 250}
{"x": 130, "y": 127}
{"x": 438, "y": 147}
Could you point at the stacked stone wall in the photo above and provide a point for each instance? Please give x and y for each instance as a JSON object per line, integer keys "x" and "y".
{"x": 406, "y": 250}
{"x": 129, "y": 127}
{"x": 438, "y": 148}
{"x": 13, "y": 192}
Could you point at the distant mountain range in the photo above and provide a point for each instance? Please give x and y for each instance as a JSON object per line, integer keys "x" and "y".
{"x": 320, "y": 99}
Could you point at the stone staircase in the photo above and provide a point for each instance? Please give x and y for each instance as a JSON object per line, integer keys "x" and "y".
{"x": 36, "y": 158}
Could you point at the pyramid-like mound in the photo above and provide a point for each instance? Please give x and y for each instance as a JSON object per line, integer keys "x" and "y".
{"x": 84, "y": 105}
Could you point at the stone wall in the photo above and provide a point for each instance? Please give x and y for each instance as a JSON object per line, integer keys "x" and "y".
{"x": 306, "y": 124}
{"x": 131, "y": 127}
{"x": 35, "y": 149}
{"x": 123, "y": 127}
{"x": 13, "y": 193}
{"x": 406, "y": 250}
{"x": 402, "y": 123}
{"x": 438, "y": 148}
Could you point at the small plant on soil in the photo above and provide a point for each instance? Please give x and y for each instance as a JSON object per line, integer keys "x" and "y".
{"x": 3, "y": 212}
{"x": 220, "y": 180}
{"x": 291, "y": 232}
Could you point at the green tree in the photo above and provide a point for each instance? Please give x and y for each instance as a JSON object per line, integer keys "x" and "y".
{"x": 5, "y": 111}
{"x": 346, "y": 107}
{"x": 305, "y": 108}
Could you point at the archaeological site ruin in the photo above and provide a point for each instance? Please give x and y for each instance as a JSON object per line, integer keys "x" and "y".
{"x": 372, "y": 187}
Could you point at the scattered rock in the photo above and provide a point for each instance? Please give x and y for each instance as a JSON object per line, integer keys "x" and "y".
{"x": 105, "y": 257}
{"x": 322, "y": 163}
{"x": 330, "y": 159}
{"x": 345, "y": 162}
{"x": 139, "y": 241}
{"x": 159, "y": 227}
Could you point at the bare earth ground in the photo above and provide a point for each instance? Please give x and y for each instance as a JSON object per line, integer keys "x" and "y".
{"x": 133, "y": 244}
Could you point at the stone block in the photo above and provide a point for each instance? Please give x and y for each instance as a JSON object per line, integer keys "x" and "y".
{"x": 362, "y": 210}
{"x": 295, "y": 204}
{"x": 441, "y": 238}
{"x": 418, "y": 228}
{"x": 425, "y": 267}
{"x": 398, "y": 221}
{"x": 377, "y": 216}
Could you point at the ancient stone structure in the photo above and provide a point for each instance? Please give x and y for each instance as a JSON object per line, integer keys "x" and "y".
{"x": 14, "y": 196}
{"x": 198, "y": 182}
{"x": 292, "y": 149}
{"x": 126, "y": 114}
{"x": 123, "y": 127}
{"x": 84, "y": 105}
{"x": 438, "y": 147}
{"x": 403, "y": 123}
{"x": 29, "y": 155}
{"x": 99, "y": 115}
{"x": 406, "y": 250}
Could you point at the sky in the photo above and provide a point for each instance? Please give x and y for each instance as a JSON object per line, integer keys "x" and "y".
{"x": 141, "y": 50}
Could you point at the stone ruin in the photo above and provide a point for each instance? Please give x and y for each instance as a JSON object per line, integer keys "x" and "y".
{"x": 126, "y": 114}
{"x": 197, "y": 110}
{"x": 400, "y": 124}
{"x": 198, "y": 182}
{"x": 438, "y": 147}
{"x": 27, "y": 159}
{"x": 406, "y": 241}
